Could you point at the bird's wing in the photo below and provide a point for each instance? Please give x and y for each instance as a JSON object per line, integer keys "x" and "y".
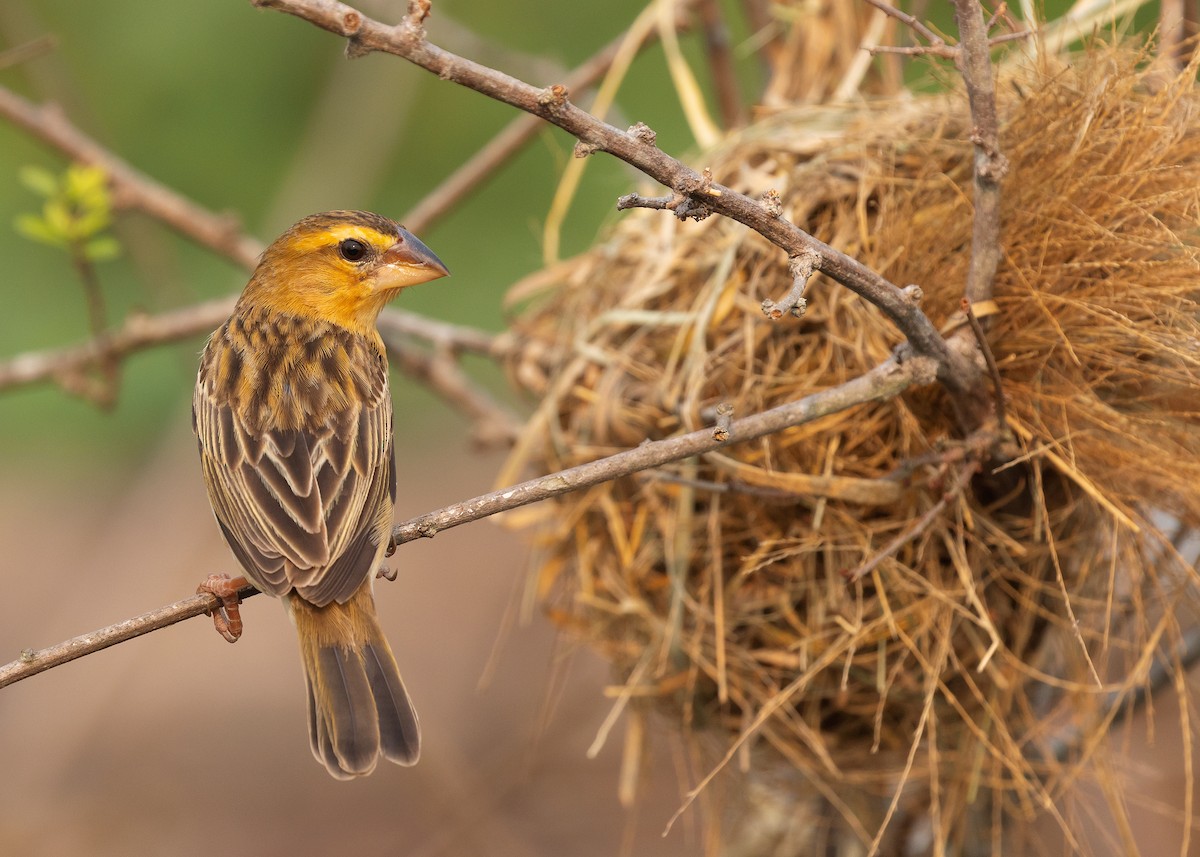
{"x": 302, "y": 508}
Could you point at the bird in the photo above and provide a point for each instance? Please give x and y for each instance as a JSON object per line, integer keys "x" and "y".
{"x": 293, "y": 417}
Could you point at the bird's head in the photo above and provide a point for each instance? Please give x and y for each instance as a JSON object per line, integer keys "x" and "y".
{"x": 342, "y": 267}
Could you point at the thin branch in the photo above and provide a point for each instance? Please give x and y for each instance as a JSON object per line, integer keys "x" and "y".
{"x": 975, "y": 64}
{"x": 407, "y": 40}
{"x": 720, "y": 62}
{"x": 990, "y": 359}
{"x": 68, "y": 367}
{"x": 132, "y": 189}
{"x": 671, "y": 202}
{"x": 103, "y": 390}
{"x": 913, "y": 50}
{"x": 483, "y": 164}
{"x": 883, "y": 382}
{"x": 28, "y": 51}
{"x": 457, "y": 338}
{"x": 33, "y": 661}
{"x": 138, "y": 332}
{"x": 802, "y": 268}
{"x": 1004, "y": 38}
{"x": 936, "y": 44}
{"x": 141, "y": 331}
{"x": 493, "y": 424}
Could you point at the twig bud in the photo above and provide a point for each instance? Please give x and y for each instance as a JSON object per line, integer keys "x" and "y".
{"x": 643, "y": 133}
{"x": 553, "y": 98}
{"x": 724, "y": 424}
{"x": 773, "y": 203}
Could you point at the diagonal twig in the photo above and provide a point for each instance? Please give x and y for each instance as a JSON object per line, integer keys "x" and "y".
{"x": 511, "y": 138}
{"x": 935, "y": 44}
{"x": 33, "y": 661}
{"x": 884, "y": 381}
{"x": 493, "y": 424}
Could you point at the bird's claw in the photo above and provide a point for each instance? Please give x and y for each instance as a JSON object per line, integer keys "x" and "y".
{"x": 386, "y": 573}
{"x": 227, "y": 617}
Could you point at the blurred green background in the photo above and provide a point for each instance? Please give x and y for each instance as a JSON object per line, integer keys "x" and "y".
{"x": 259, "y": 114}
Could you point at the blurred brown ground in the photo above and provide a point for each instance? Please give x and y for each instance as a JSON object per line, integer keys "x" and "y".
{"x": 178, "y": 743}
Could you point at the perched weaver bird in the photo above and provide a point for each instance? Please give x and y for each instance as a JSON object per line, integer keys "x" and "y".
{"x": 294, "y": 421}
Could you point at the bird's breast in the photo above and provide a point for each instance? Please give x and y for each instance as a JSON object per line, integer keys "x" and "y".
{"x": 283, "y": 372}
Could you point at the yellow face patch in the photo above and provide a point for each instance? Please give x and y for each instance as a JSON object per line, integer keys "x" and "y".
{"x": 334, "y": 235}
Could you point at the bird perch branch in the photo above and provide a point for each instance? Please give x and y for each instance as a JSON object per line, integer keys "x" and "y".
{"x": 883, "y": 382}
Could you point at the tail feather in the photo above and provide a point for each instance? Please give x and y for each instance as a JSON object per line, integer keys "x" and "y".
{"x": 320, "y": 742}
{"x": 358, "y": 708}
{"x": 347, "y": 708}
{"x": 399, "y": 730}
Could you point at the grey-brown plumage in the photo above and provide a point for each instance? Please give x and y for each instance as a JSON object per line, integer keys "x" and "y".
{"x": 293, "y": 417}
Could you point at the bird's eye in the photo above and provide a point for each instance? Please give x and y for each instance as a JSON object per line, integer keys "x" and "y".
{"x": 352, "y": 250}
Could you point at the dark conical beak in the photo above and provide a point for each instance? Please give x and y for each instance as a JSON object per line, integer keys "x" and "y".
{"x": 408, "y": 262}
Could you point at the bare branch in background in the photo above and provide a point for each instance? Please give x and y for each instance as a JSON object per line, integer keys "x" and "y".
{"x": 935, "y": 44}
{"x": 66, "y": 366}
{"x": 720, "y": 62}
{"x": 456, "y": 338}
{"x": 73, "y": 367}
{"x": 511, "y": 138}
{"x": 25, "y": 52}
{"x": 132, "y": 189}
{"x": 493, "y": 424}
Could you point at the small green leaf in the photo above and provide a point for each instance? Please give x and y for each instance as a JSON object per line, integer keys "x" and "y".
{"x": 83, "y": 182}
{"x": 102, "y": 249}
{"x": 35, "y": 229}
{"x": 57, "y": 218}
{"x": 91, "y": 222}
{"x": 77, "y": 210}
{"x": 40, "y": 181}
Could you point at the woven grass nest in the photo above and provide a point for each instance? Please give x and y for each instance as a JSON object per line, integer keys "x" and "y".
{"x": 956, "y": 671}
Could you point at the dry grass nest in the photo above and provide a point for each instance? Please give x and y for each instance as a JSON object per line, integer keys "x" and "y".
{"x": 1000, "y": 628}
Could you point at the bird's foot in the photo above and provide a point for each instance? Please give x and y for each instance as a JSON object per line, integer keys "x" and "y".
{"x": 386, "y": 573}
{"x": 227, "y": 617}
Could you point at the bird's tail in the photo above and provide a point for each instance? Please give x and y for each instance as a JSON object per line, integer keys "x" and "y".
{"x": 358, "y": 708}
